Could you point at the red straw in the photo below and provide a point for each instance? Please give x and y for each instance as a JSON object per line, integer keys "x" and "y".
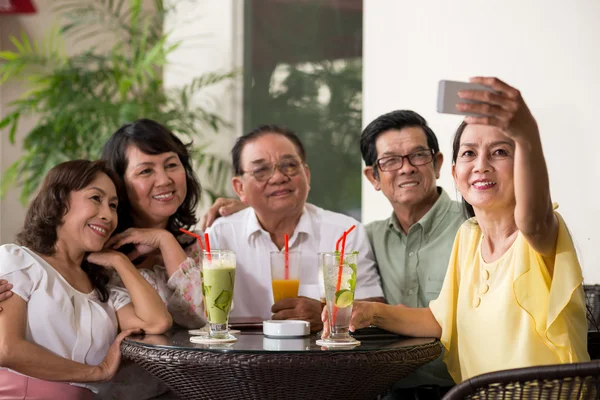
{"x": 207, "y": 241}
{"x": 339, "y": 280}
{"x": 337, "y": 244}
{"x": 287, "y": 258}
{"x": 193, "y": 235}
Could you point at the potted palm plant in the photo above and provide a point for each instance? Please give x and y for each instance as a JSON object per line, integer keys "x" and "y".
{"x": 81, "y": 99}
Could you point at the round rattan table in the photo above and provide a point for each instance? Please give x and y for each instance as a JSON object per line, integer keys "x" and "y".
{"x": 258, "y": 367}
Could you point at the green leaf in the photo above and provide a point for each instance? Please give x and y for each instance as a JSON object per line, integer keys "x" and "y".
{"x": 17, "y": 44}
{"x": 352, "y": 280}
{"x": 8, "y": 55}
{"x": 353, "y": 267}
{"x": 6, "y": 121}
{"x": 81, "y": 99}
{"x": 124, "y": 86}
{"x": 9, "y": 177}
{"x": 13, "y": 127}
{"x": 223, "y": 301}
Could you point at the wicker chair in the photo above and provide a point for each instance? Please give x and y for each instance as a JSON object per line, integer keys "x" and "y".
{"x": 592, "y": 299}
{"x": 563, "y": 381}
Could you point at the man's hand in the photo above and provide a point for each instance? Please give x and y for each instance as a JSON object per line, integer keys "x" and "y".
{"x": 107, "y": 369}
{"x": 301, "y": 308}
{"x": 5, "y": 290}
{"x": 222, "y": 207}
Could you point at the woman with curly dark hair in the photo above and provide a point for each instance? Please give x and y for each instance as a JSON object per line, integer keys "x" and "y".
{"x": 161, "y": 195}
{"x": 56, "y": 331}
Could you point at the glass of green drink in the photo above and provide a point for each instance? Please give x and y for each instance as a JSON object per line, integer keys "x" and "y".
{"x": 218, "y": 273}
{"x": 340, "y": 284}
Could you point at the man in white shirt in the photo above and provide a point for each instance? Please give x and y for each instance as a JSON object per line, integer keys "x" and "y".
{"x": 271, "y": 176}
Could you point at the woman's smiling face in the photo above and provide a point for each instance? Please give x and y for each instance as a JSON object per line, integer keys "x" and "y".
{"x": 484, "y": 168}
{"x": 156, "y": 186}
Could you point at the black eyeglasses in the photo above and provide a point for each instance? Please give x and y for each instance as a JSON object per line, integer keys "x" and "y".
{"x": 392, "y": 163}
{"x": 264, "y": 172}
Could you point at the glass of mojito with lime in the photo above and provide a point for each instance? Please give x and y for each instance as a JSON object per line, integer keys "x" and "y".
{"x": 218, "y": 277}
{"x": 339, "y": 294}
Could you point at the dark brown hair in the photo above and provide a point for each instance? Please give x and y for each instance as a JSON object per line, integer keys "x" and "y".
{"x": 153, "y": 138}
{"x": 467, "y": 208}
{"x": 46, "y": 212}
{"x": 397, "y": 120}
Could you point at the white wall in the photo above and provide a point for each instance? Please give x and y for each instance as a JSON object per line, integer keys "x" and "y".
{"x": 12, "y": 212}
{"x": 212, "y": 35}
{"x": 547, "y": 49}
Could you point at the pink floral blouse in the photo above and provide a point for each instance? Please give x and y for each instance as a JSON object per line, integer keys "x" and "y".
{"x": 182, "y": 294}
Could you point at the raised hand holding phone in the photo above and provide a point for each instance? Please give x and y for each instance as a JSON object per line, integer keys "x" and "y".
{"x": 448, "y": 98}
{"x": 488, "y": 101}
{"x": 504, "y": 109}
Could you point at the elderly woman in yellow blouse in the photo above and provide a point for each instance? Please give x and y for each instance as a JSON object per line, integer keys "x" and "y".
{"x": 512, "y": 296}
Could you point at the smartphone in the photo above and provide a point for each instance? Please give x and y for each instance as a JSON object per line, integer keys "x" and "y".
{"x": 448, "y": 96}
{"x": 373, "y": 332}
{"x": 246, "y": 322}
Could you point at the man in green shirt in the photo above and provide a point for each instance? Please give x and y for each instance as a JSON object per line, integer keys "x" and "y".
{"x": 412, "y": 247}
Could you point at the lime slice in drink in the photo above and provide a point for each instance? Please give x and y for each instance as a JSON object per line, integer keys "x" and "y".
{"x": 344, "y": 298}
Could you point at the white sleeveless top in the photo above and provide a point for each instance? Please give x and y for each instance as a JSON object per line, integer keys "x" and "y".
{"x": 69, "y": 323}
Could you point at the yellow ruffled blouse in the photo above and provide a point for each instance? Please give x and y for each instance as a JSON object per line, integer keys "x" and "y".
{"x": 510, "y": 313}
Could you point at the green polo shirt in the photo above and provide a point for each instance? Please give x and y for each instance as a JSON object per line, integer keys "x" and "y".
{"x": 413, "y": 266}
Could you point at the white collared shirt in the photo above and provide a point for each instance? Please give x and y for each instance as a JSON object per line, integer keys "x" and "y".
{"x": 71, "y": 324}
{"x": 317, "y": 231}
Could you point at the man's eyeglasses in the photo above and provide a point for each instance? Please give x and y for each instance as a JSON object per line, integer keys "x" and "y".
{"x": 392, "y": 163}
{"x": 264, "y": 172}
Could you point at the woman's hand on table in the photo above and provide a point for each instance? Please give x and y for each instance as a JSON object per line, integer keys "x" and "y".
{"x": 363, "y": 315}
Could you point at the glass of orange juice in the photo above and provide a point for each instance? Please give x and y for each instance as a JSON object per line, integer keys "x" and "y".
{"x": 285, "y": 284}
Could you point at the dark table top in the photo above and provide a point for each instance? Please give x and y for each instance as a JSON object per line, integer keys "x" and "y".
{"x": 253, "y": 341}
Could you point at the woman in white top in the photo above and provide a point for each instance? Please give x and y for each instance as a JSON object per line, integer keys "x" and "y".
{"x": 58, "y": 330}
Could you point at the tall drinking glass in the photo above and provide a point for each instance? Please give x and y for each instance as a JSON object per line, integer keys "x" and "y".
{"x": 284, "y": 284}
{"x": 339, "y": 294}
{"x": 321, "y": 282}
{"x": 218, "y": 270}
{"x": 321, "y": 289}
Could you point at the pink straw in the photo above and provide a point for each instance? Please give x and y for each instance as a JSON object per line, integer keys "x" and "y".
{"x": 287, "y": 258}
{"x": 339, "y": 279}
{"x": 207, "y": 241}
{"x": 193, "y": 235}
{"x": 337, "y": 244}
